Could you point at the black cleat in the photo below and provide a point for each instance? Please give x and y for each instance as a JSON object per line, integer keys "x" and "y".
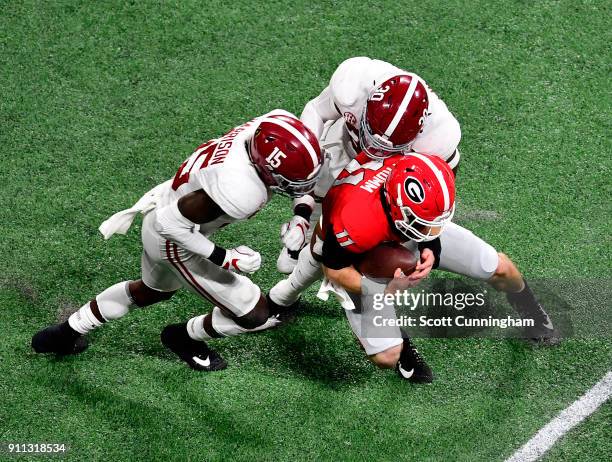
{"x": 60, "y": 339}
{"x": 411, "y": 365}
{"x": 543, "y": 334}
{"x": 195, "y": 353}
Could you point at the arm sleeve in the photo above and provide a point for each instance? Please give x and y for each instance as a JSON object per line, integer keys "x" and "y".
{"x": 442, "y": 134}
{"x": 172, "y": 225}
{"x": 318, "y": 111}
{"x": 335, "y": 256}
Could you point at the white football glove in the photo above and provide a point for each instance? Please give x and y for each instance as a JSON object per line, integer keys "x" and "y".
{"x": 242, "y": 258}
{"x": 293, "y": 233}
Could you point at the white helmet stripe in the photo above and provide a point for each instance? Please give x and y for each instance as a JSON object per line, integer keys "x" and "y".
{"x": 402, "y": 107}
{"x": 439, "y": 176}
{"x": 301, "y": 138}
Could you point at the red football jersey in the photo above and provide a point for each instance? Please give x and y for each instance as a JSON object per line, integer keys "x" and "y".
{"x": 353, "y": 208}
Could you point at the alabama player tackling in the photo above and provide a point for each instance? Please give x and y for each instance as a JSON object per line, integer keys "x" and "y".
{"x": 225, "y": 180}
{"x": 374, "y": 107}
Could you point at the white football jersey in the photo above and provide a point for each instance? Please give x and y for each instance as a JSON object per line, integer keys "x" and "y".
{"x": 223, "y": 169}
{"x": 347, "y": 95}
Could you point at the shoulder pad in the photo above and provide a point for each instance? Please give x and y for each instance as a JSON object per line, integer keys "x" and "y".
{"x": 238, "y": 193}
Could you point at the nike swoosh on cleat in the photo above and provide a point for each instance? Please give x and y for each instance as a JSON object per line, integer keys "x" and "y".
{"x": 406, "y": 374}
{"x": 548, "y": 324}
{"x": 204, "y": 363}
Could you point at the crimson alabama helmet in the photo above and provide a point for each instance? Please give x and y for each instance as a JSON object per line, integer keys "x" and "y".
{"x": 393, "y": 116}
{"x": 420, "y": 195}
{"x": 286, "y": 154}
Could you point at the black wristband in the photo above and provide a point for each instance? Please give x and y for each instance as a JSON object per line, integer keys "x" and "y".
{"x": 303, "y": 211}
{"x": 435, "y": 246}
{"x": 218, "y": 255}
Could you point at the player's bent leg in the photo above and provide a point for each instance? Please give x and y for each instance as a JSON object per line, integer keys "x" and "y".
{"x": 188, "y": 340}
{"x": 241, "y": 308}
{"x": 464, "y": 253}
{"x": 219, "y": 323}
{"x": 385, "y": 343}
{"x": 112, "y": 303}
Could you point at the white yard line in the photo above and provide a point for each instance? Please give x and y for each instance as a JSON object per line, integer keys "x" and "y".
{"x": 564, "y": 422}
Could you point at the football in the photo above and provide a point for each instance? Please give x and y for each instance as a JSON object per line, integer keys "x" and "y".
{"x": 382, "y": 261}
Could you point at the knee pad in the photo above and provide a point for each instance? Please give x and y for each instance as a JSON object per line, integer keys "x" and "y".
{"x": 115, "y": 302}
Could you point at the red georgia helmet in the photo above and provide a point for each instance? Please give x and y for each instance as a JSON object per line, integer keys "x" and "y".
{"x": 420, "y": 195}
{"x": 393, "y": 116}
{"x": 286, "y": 154}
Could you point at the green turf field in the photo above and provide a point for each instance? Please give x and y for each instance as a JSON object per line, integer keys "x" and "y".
{"x": 100, "y": 101}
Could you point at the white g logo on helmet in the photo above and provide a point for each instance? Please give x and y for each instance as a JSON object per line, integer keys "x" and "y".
{"x": 414, "y": 190}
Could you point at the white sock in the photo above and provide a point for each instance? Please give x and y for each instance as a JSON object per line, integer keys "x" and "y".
{"x": 195, "y": 328}
{"x": 305, "y": 273}
{"x": 83, "y": 320}
{"x": 223, "y": 325}
{"x": 113, "y": 303}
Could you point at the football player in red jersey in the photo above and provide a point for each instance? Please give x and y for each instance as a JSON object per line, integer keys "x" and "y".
{"x": 375, "y": 107}
{"x": 225, "y": 180}
{"x": 397, "y": 199}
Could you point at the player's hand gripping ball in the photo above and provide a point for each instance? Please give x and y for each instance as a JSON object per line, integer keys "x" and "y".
{"x": 382, "y": 261}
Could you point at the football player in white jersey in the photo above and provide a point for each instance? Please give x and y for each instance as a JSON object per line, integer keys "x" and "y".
{"x": 225, "y": 180}
{"x": 375, "y": 107}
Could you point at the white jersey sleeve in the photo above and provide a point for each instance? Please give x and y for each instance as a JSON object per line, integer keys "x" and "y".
{"x": 352, "y": 82}
{"x": 441, "y": 132}
{"x": 238, "y": 192}
{"x": 318, "y": 111}
{"x": 347, "y": 92}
